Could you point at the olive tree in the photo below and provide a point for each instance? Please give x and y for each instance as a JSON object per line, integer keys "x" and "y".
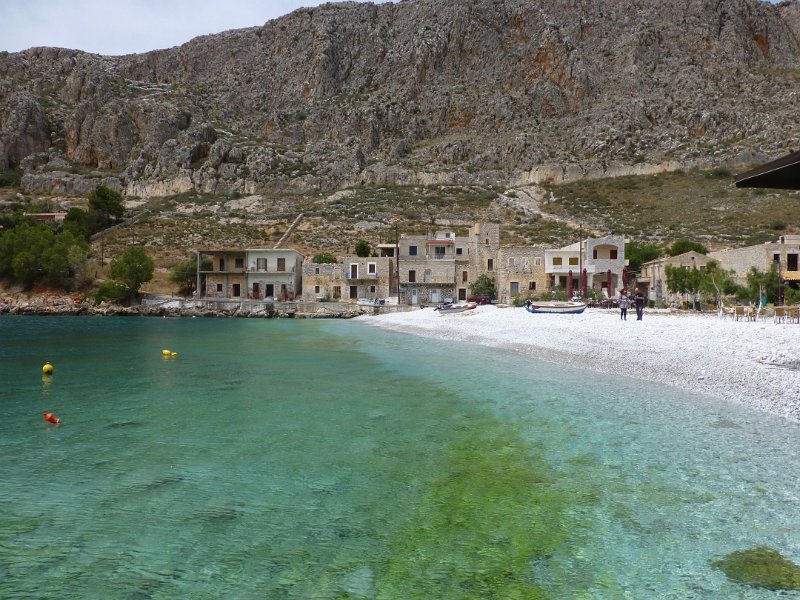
{"x": 184, "y": 274}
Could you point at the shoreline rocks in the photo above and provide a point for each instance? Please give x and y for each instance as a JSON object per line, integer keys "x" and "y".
{"x": 75, "y": 304}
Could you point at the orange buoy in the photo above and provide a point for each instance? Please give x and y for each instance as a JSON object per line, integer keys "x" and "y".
{"x": 52, "y": 418}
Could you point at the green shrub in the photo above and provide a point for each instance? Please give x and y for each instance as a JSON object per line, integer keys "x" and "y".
{"x": 324, "y": 258}
{"x": 778, "y": 225}
{"x": 11, "y": 177}
{"x": 110, "y": 291}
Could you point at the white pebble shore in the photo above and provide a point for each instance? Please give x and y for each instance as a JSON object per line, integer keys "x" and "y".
{"x": 753, "y": 363}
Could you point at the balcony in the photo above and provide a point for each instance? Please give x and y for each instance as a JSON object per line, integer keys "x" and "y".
{"x": 362, "y": 276}
{"x": 271, "y": 270}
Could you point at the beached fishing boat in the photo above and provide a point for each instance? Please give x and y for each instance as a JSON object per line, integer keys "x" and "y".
{"x": 448, "y": 309}
{"x": 555, "y": 307}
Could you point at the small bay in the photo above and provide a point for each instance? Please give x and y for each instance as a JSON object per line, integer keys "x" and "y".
{"x": 329, "y": 459}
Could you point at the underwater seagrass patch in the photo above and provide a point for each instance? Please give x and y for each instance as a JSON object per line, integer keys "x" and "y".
{"x": 760, "y": 567}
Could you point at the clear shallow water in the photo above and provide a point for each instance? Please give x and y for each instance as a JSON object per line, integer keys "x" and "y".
{"x": 327, "y": 459}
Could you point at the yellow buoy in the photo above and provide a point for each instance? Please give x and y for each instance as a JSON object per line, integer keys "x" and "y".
{"x": 166, "y": 352}
{"x": 47, "y": 369}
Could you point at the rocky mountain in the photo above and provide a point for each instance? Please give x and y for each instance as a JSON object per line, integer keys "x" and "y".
{"x": 418, "y": 92}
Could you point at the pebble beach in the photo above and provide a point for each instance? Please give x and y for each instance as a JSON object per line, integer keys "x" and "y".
{"x": 755, "y": 363}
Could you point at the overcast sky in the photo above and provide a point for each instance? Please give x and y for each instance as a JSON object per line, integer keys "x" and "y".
{"x": 127, "y": 26}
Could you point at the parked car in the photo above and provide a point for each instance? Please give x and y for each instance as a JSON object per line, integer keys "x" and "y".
{"x": 481, "y": 299}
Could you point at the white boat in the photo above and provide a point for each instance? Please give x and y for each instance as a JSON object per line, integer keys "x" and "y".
{"x": 555, "y": 307}
{"x": 448, "y": 309}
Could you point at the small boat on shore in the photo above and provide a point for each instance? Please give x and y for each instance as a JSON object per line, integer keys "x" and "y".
{"x": 449, "y": 309}
{"x": 555, "y": 307}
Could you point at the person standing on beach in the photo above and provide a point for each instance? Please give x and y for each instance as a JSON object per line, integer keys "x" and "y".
{"x": 639, "y": 301}
{"x": 623, "y": 306}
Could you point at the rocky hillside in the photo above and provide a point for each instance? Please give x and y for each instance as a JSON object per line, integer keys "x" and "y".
{"x": 421, "y": 92}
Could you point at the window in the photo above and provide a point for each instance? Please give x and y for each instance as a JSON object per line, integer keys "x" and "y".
{"x": 238, "y": 263}
{"x": 510, "y": 262}
{"x": 371, "y": 268}
{"x": 412, "y": 250}
{"x": 776, "y": 258}
{"x": 316, "y": 289}
{"x": 412, "y": 276}
{"x": 261, "y": 264}
{"x": 537, "y": 261}
{"x": 573, "y": 261}
{"x": 791, "y": 262}
{"x": 594, "y": 254}
{"x": 337, "y": 292}
{"x": 464, "y": 276}
{"x": 531, "y": 286}
{"x": 427, "y": 277}
{"x": 281, "y": 264}
{"x": 515, "y": 287}
{"x": 237, "y": 290}
{"x": 372, "y": 289}
{"x": 219, "y": 287}
{"x": 316, "y": 270}
{"x": 353, "y": 271}
{"x": 221, "y": 264}
{"x": 490, "y": 264}
{"x": 614, "y": 254}
{"x": 459, "y": 251}
{"x": 557, "y": 261}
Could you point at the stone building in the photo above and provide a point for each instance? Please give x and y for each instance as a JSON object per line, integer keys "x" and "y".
{"x": 520, "y": 271}
{"x": 251, "y": 274}
{"x": 352, "y": 278}
{"x": 785, "y": 251}
{"x": 427, "y": 268}
{"x": 652, "y": 279}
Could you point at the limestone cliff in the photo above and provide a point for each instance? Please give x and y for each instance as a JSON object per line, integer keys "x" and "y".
{"x": 417, "y": 92}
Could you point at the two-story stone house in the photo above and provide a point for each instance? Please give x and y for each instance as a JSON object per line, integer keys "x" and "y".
{"x": 352, "y": 278}
{"x": 251, "y": 274}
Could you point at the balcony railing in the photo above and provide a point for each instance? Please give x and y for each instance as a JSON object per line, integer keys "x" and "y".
{"x": 287, "y": 269}
{"x": 242, "y": 270}
{"x": 351, "y": 276}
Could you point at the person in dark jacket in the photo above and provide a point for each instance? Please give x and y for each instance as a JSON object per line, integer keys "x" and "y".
{"x": 638, "y": 300}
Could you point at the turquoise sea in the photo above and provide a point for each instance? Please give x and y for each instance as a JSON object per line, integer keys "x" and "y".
{"x": 328, "y": 459}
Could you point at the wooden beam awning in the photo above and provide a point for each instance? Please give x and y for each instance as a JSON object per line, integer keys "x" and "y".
{"x": 782, "y": 173}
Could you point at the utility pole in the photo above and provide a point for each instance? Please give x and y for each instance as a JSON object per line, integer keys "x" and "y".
{"x": 397, "y": 259}
{"x": 580, "y": 262}
{"x": 197, "y": 287}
